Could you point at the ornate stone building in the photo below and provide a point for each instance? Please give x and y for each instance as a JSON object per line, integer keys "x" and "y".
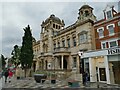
{"x": 104, "y": 62}
{"x": 58, "y": 46}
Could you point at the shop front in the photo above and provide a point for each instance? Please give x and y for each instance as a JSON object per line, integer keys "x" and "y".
{"x": 103, "y": 65}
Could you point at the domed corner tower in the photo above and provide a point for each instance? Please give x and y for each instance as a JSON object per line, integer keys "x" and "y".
{"x": 51, "y": 25}
{"x": 86, "y": 12}
{"x": 49, "y": 29}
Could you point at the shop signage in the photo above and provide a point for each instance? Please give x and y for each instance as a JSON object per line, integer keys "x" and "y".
{"x": 114, "y": 51}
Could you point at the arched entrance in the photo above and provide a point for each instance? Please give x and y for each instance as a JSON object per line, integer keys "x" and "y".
{"x": 46, "y": 63}
{"x": 64, "y": 63}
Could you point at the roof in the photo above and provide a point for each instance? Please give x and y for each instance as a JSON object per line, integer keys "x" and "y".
{"x": 85, "y": 6}
{"x": 53, "y": 18}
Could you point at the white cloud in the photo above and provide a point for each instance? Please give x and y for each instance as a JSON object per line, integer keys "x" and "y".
{"x": 17, "y": 15}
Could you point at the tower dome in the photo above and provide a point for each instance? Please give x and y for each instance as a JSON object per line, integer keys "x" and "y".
{"x": 85, "y": 7}
{"x": 86, "y": 12}
{"x": 53, "y": 18}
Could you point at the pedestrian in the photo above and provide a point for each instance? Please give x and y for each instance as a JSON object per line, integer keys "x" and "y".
{"x": 84, "y": 78}
{"x": 6, "y": 73}
{"x": 10, "y": 75}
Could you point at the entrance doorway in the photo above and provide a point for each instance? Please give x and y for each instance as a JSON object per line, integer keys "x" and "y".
{"x": 116, "y": 71}
{"x": 102, "y": 74}
{"x": 34, "y": 66}
{"x": 64, "y": 63}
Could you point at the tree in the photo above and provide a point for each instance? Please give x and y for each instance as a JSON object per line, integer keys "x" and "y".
{"x": 15, "y": 59}
{"x": 26, "y": 56}
{"x": 2, "y": 61}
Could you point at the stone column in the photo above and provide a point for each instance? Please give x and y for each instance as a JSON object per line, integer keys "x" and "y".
{"x": 93, "y": 73}
{"x": 71, "y": 41}
{"x": 66, "y": 41}
{"x": 78, "y": 63}
{"x": 62, "y": 61}
{"x": 107, "y": 69}
{"x": 77, "y": 40}
{"x": 37, "y": 65}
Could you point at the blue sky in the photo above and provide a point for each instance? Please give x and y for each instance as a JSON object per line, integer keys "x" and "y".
{"x": 15, "y": 16}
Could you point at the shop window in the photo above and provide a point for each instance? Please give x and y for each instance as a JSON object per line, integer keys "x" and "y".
{"x": 100, "y": 32}
{"x": 109, "y": 14}
{"x": 111, "y": 29}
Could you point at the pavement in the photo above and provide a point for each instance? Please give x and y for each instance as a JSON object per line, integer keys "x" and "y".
{"x": 29, "y": 82}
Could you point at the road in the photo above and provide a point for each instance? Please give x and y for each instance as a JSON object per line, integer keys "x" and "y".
{"x": 1, "y": 82}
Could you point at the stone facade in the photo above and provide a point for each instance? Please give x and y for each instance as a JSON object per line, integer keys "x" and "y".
{"x": 58, "y": 46}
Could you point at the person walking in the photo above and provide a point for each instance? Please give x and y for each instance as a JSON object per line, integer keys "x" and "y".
{"x": 84, "y": 78}
{"x": 6, "y": 74}
{"x": 10, "y": 75}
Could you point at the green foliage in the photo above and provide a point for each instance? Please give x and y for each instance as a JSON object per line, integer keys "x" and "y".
{"x": 2, "y": 61}
{"x": 26, "y": 56}
{"x": 15, "y": 59}
{"x": 41, "y": 72}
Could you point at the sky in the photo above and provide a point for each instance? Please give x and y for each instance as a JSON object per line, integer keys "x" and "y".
{"x": 14, "y": 16}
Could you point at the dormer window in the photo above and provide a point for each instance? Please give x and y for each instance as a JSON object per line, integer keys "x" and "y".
{"x": 109, "y": 14}
{"x": 100, "y": 32}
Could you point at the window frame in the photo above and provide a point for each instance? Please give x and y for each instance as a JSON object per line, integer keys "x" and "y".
{"x": 63, "y": 43}
{"x": 98, "y": 30}
{"x": 111, "y": 34}
{"x": 74, "y": 41}
{"x": 82, "y": 38}
{"x": 74, "y": 62}
{"x": 110, "y": 14}
{"x": 113, "y": 41}
{"x": 102, "y": 45}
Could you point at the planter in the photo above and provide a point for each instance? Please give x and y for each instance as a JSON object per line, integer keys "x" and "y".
{"x": 53, "y": 81}
{"x": 39, "y": 77}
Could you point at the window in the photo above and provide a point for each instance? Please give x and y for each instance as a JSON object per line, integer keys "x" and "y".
{"x": 86, "y": 13}
{"x": 58, "y": 44}
{"x": 112, "y": 44}
{"x": 74, "y": 62}
{"x": 119, "y": 23}
{"x": 83, "y": 37}
{"x": 103, "y": 45}
{"x": 100, "y": 32}
{"x": 56, "y": 26}
{"x": 109, "y": 14}
{"x": 74, "y": 41}
{"x": 53, "y": 25}
{"x": 111, "y": 29}
{"x": 54, "y": 45}
{"x": 68, "y": 41}
{"x": 59, "y": 27}
{"x": 63, "y": 43}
